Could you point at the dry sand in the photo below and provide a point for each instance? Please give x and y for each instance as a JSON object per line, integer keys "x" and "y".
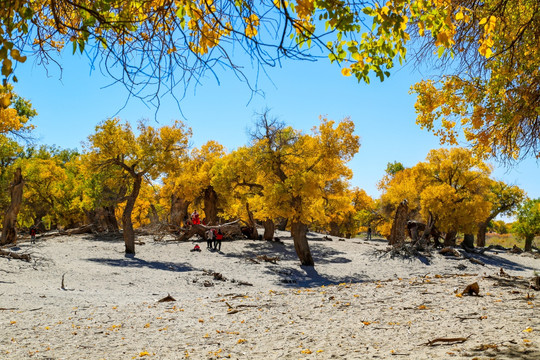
{"x": 356, "y": 303}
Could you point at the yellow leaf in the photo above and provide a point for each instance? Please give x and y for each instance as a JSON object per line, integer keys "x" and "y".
{"x": 529, "y": 329}
{"x": 459, "y": 15}
{"x": 346, "y": 71}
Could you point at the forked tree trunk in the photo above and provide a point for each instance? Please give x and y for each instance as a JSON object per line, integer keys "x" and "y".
{"x": 298, "y": 232}
{"x": 9, "y": 230}
{"x": 424, "y": 239}
{"x": 269, "y": 229}
{"x": 128, "y": 233}
{"x": 179, "y": 210}
{"x": 481, "y": 234}
{"x": 210, "y": 206}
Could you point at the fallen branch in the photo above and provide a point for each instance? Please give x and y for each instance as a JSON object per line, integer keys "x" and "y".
{"x": 11, "y": 254}
{"x": 266, "y": 258}
{"x": 447, "y": 341}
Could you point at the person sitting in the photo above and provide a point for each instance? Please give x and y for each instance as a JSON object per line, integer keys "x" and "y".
{"x": 196, "y": 248}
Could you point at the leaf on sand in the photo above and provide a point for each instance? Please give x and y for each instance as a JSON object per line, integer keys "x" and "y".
{"x": 167, "y": 298}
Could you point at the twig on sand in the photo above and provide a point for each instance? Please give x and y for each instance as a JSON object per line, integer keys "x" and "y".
{"x": 447, "y": 341}
{"x": 62, "y": 286}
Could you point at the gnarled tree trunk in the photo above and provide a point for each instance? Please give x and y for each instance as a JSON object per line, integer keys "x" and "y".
{"x": 298, "y": 232}
{"x": 269, "y": 229}
{"x": 399, "y": 226}
{"x": 179, "y": 210}
{"x": 210, "y": 205}
{"x": 9, "y": 230}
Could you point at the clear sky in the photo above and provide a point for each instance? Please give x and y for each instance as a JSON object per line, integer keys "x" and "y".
{"x": 297, "y": 93}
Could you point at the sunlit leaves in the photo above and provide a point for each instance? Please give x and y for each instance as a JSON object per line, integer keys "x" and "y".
{"x": 451, "y": 186}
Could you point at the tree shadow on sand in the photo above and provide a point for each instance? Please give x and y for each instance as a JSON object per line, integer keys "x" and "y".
{"x": 321, "y": 254}
{"x": 500, "y": 262}
{"x": 308, "y": 276}
{"x": 133, "y": 262}
{"x": 297, "y": 276}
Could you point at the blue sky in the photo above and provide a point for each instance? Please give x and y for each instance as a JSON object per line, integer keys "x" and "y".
{"x": 297, "y": 93}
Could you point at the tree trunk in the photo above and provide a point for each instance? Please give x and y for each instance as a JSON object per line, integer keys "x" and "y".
{"x": 398, "y": 232}
{"x": 269, "y": 229}
{"x": 179, "y": 210}
{"x": 468, "y": 241}
{"x": 528, "y": 242}
{"x": 9, "y": 231}
{"x": 450, "y": 239}
{"x": 253, "y": 233}
{"x": 282, "y": 224}
{"x": 128, "y": 233}
{"x": 154, "y": 217}
{"x": 481, "y": 234}
{"x": 334, "y": 229}
{"x": 298, "y": 232}
{"x": 109, "y": 218}
{"x": 424, "y": 239}
{"x": 210, "y": 206}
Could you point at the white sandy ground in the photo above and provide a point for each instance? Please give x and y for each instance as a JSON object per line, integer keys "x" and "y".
{"x": 356, "y": 303}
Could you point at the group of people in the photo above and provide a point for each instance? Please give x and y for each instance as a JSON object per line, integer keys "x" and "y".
{"x": 213, "y": 240}
{"x": 213, "y": 236}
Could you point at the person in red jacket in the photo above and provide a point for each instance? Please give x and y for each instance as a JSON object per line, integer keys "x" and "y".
{"x": 217, "y": 241}
{"x": 195, "y": 220}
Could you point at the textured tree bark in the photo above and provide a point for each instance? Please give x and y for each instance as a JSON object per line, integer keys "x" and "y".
{"x": 9, "y": 230}
{"x": 127, "y": 224}
{"x": 269, "y": 229}
{"x": 298, "y": 232}
{"x": 481, "y": 234}
{"x": 399, "y": 226}
{"x": 179, "y": 210}
{"x": 210, "y": 206}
